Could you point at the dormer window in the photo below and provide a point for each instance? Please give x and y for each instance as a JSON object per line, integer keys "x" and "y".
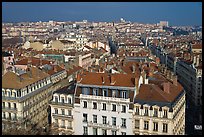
{"x": 165, "y": 114}
{"x": 114, "y": 93}
{"x": 56, "y": 99}
{"x": 95, "y": 91}
{"x": 124, "y": 94}
{"x": 62, "y": 100}
{"x": 146, "y": 111}
{"x": 105, "y": 92}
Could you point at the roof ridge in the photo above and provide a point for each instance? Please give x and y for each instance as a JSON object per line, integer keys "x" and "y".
{"x": 159, "y": 91}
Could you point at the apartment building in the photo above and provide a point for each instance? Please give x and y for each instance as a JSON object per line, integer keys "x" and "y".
{"x": 25, "y": 99}
{"x": 159, "y": 106}
{"x": 103, "y": 104}
{"x": 62, "y": 110}
{"x": 85, "y": 60}
{"x": 190, "y": 76}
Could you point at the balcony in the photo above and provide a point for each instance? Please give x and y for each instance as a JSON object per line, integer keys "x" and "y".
{"x": 62, "y": 116}
{"x": 60, "y": 104}
{"x": 102, "y": 98}
{"x": 104, "y": 126}
{"x": 9, "y": 109}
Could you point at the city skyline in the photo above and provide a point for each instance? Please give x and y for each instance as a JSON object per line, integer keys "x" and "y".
{"x": 180, "y": 13}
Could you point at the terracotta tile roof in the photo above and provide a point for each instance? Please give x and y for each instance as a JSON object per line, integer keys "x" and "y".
{"x": 154, "y": 90}
{"x": 12, "y": 80}
{"x": 73, "y": 70}
{"x": 34, "y": 61}
{"x": 197, "y": 46}
{"x": 123, "y": 80}
{"x": 55, "y": 69}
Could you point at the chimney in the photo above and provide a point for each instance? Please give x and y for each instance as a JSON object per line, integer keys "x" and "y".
{"x": 157, "y": 60}
{"x": 175, "y": 80}
{"x": 20, "y": 78}
{"x": 78, "y": 77}
{"x": 137, "y": 85}
{"x": 194, "y": 60}
{"x": 166, "y": 87}
{"x": 133, "y": 68}
{"x": 151, "y": 72}
{"x": 144, "y": 76}
{"x": 112, "y": 79}
{"x": 55, "y": 68}
{"x": 103, "y": 79}
{"x": 197, "y": 61}
{"x": 29, "y": 72}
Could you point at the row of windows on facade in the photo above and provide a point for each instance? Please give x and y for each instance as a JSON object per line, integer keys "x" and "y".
{"x": 28, "y": 89}
{"x": 63, "y": 112}
{"x": 123, "y": 94}
{"x": 104, "y": 119}
{"x": 63, "y": 100}
{"x": 103, "y": 131}
{"x": 155, "y": 126}
{"x": 10, "y": 116}
{"x": 85, "y": 105}
{"x": 63, "y": 123}
{"x": 9, "y": 105}
{"x": 155, "y": 112}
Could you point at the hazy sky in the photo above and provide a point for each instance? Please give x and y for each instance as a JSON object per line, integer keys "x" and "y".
{"x": 177, "y": 13}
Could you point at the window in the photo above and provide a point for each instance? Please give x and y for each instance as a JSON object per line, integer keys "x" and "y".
{"x": 85, "y": 130}
{"x": 69, "y": 101}
{"x": 56, "y": 99}
{"x": 14, "y": 105}
{"x": 84, "y": 117}
{"x": 63, "y": 124}
{"x": 113, "y": 107}
{"x": 56, "y": 122}
{"x": 123, "y": 133}
{"x": 56, "y": 111}
{"x": 18, "y": 93}
{"x": 95, "y": 92}
{"x": 113, "y": 93}
{"x": 94, "y": 105}
{"x": 104, "y": 106}
{"x": 104, "y": 119}
{"x": 69, "y": 124}
{"x": 137, "y": 124}
{"x": 165, "y": 113}
{"x": 4, "y": 115}
{"x": 94, "y": 118}
{"x": 123, "y": 122}
{"x": 165, "y": 127}
{"x": 123, "y": 109}
{"x": 114, "y": 121}
{"x": 146, "y": 125}
{"x": 95, "y": 131}
{"x": 62, "y": 111}
{"x": 85, "y": 91}
{"x": 9, "y": 105}
{"x": 124, "y": 94}
{"x": 105, "y": 93}
{"x": 104, "y": 132}
{"x": 9, "y": 115}
{"x": 155, "y": 112}
{"x": 137, "y": 110}
{"x": 85, "y": 104}
{"x": 62, "y": 99}
{"x": 69, "y": 112}
{"x": 3, "y": 104}
{"x": 155, "y": 128}
{"x": 114, "y": 132}
{"x": 146, "y": 111}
